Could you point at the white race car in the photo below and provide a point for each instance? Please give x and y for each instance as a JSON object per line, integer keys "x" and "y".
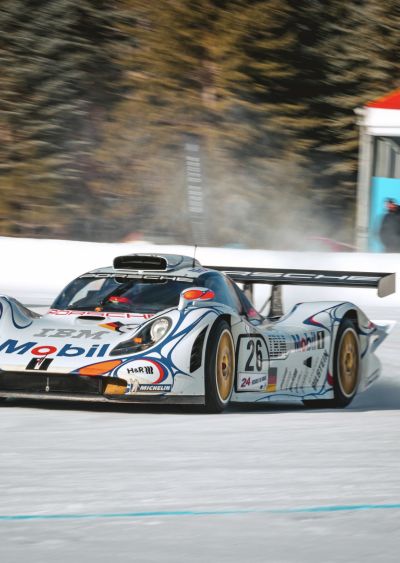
{"x": 164, "y": 329}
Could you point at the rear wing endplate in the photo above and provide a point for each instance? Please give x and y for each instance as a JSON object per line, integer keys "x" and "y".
{"x": 385, "y": 283}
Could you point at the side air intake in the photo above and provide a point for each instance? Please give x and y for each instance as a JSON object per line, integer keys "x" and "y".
{"x": 197, "y": 351}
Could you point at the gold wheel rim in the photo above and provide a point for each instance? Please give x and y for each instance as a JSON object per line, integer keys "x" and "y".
{"x": 225, "y": 366}
{"x": 348, "y": 363}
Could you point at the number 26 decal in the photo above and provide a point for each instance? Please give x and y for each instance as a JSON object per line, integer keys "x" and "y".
{"x": 254, "y": 360}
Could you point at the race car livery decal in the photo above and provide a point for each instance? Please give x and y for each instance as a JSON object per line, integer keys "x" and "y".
{"x": 318, "y": 374}
{"x": 41, "y": 364}
{"x": 154, "y": 388}
{"x": 145, "y": 375}
{"x": 105, "y": 314}
{"x": 261, "y": 382}
{"x": 142, "y": 367}
{"x": 309, "y": 341}
{"x": 293, "y": 380}
{"x": 11, "y": 346}
{"x": 70, "y": 333}
{"x": 241, "y": 274}
{"x": 251, "y": 383}
{"x": 272, "y": 380}
{"x": 252, "y": 360}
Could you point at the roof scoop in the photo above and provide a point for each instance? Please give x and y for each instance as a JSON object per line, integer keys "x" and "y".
{"x": 154, "y": 262}
{"x": 140, "y": 262}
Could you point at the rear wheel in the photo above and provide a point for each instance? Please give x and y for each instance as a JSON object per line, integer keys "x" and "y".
{"x": 219, "y": 367}
{"x": 346, "y": 364}
{"x": 346, "y": 368}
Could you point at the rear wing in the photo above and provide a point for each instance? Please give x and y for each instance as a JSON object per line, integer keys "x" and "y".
{"x": 384, "y": 282}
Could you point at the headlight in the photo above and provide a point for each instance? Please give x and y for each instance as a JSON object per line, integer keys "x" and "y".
{"x": 159, "y": 329}
{"x": 146, "y": 336}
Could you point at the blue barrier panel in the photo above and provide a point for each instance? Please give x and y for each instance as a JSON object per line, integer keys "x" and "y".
{"x": 381, "y": 189}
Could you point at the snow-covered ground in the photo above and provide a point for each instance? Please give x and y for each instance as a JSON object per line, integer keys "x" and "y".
{"x": 121, "y": 483}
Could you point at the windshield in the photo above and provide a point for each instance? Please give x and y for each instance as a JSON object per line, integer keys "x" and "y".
{"x": 114, "y": 293}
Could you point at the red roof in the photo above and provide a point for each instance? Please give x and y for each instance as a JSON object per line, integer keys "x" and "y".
{"x": 389, "y": 101}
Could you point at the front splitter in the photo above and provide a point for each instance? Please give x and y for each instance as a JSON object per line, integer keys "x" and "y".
{"x": 131, "y": 399}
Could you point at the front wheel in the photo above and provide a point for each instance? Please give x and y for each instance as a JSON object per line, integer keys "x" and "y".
{"x": 219, "y": 370}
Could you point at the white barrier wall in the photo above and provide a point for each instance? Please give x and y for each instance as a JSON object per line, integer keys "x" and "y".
{"x": 35, "y": 270}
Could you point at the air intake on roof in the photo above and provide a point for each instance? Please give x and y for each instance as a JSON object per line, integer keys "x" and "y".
{"x": 137, "y": 262}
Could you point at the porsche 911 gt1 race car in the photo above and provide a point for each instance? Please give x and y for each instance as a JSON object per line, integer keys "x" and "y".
{"x": 165, "y": 329}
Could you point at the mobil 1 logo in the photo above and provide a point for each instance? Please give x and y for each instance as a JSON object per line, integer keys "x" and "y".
{"x": 252, "y": 362}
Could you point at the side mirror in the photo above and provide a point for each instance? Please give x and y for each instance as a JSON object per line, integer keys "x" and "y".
{"x": 195, "y": 294}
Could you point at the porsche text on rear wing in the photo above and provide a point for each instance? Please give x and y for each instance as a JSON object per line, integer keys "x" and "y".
{"x": 384, "y": 282}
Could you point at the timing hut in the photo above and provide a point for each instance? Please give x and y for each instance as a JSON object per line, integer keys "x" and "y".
{"x": 379, "y": 166}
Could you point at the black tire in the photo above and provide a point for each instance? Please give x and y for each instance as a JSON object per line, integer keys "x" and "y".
{"x": 346, "y": 368}
{"x": 219, "y": 369}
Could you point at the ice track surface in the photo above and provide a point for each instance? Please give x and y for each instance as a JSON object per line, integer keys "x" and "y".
{"x": 104, "y": 483}
{"x": 256, "y": 484}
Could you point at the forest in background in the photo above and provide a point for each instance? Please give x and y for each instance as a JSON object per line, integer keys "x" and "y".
{"x": 98, "y": 100}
